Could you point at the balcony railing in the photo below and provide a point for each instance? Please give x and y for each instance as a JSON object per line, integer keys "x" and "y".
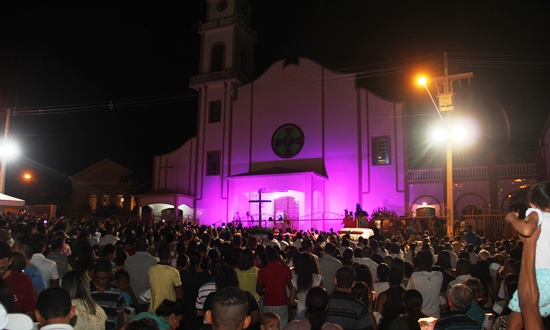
{"x": 476, "y": 172}
{"x": 215, "y": 76}
{"x": 227, "y": 22}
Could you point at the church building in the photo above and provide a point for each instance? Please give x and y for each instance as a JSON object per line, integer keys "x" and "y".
{"x": 300, "y": 143}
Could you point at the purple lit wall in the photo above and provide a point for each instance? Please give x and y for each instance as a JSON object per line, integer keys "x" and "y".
{"x": 331, "y": 173}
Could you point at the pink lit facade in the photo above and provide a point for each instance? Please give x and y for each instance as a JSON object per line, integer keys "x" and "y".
{"x": 312, "y": 142}
{"x": 307, "y": 137}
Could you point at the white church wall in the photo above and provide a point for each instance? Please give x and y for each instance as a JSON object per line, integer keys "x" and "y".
{"x": 383, "y": 185}
{"x": 240, "y": 131}
{"x": 172, "y": 169}
{"x": 278, "y": 101}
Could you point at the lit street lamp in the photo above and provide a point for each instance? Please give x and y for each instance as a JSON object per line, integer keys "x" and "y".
{"x": 28, "y": 177}
{"x": 446, "y": 105}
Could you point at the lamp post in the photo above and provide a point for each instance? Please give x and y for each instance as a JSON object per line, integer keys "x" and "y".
{"x": 28, "y": 176}
{"x": 446, "y": 105}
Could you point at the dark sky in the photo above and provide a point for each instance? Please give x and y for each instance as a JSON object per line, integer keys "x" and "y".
{"x": 71, "y": 59}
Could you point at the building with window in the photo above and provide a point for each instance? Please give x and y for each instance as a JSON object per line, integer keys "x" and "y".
{"x": 99, "y": 189}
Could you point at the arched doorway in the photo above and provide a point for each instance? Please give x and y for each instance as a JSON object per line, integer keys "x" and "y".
{"x": 286, "y": 211}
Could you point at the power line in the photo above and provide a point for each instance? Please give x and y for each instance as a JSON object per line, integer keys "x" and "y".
{"x": 349, "y": 73}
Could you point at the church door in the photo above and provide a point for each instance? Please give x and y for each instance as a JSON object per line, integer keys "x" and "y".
{"x": 286, "y": 209}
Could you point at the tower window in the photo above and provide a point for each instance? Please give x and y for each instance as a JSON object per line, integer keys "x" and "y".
{"x": 381, "y": 151}
{"x": 245, "y": 60}
{"x": 213, "y": 163}
{"x": 215, "y": 112}
{"x": 217, "y": 57}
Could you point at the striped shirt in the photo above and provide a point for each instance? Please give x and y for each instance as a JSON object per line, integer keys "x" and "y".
{"x": 456, "y": 321}
{"x": 111, "y": 300}
{"x": 348, "y": 312}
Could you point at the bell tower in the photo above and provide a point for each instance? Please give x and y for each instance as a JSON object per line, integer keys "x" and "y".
{"x": 226, "y": 57}
{"x": 227, "y": 44}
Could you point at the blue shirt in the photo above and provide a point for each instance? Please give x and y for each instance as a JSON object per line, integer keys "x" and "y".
{"x": 471, "y": 238}
{"x": 36, "y": 277}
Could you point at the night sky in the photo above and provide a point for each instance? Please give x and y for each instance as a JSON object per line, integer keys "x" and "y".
{"x": 72, "y": 60}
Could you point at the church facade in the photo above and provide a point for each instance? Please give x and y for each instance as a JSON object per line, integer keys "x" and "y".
{"x": 300, "y": 145}
{"x": 300, "y": 142}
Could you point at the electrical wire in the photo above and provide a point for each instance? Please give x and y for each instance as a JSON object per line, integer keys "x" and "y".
{"x": 344, "y": 74}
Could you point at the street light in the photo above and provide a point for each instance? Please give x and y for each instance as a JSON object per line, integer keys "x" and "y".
{"x": 445, "y": 104}
{"x": 28, "y": 176}
{"x": 449, "y": 161}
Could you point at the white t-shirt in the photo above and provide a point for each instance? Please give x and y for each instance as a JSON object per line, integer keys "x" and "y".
{"x": 429, "y": 285}
{"x": 542, "y": 259}
{"x": 47, "y": 267}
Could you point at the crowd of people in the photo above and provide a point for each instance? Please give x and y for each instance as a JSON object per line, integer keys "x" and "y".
{"x": 120, "y": 274}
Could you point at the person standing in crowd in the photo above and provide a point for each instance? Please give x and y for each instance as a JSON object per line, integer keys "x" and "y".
{"x": 89, "y": 315}
{"x": 226, "y": 277}
{"x": 20, "y": 285}
{"x": 382, "y": 284}
{"x": 389, "y": 303}
{"x": 475, "y": 311}
{"x": 533, "y": 281}
{"x": 108, "y": 295}
{"x": 306, "y": 277}
{"x": 247, "y": 273}
{"x": 138, "y": 266}
{"x": 61, "y": 260}
{"x": 463, "y": 272}
{"x": 272, "y": 283}
{"x": 47, "y": 267}
{"x": 229, "y": 310}
{"x": 470, "y": 237}
{"x": 271, "y": 241}
{"x": 192, "y": 279}
{"x": 412, "y": 303}
{"x": 23, "y": 246}
{"x": 366, "y": 259}
{"x": 344, "y": 309}
{"x": 164, "y": 280}
{"x": 328, "y": 265}
{"x": 316, "y": 302}
{"x": 110, "y": 236}
{"x": 54, "y": 309}
{"x": 428, "y": 282}
{"x": 460, "y": 298}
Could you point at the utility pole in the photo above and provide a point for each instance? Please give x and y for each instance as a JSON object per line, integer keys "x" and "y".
{"x": 445, "y": 98}
{"x": 3, "y": 160}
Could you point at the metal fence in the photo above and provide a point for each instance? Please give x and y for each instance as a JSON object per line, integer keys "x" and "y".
{"x": 492, "y": 227}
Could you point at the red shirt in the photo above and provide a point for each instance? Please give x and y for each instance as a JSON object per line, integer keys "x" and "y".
{"x": 23, "y": 292}
{"x": 274, "y": 277}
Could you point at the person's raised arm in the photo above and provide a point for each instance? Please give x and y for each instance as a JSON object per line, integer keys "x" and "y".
{"x": 524, "y": 227}
{"x": 528, "y": 290}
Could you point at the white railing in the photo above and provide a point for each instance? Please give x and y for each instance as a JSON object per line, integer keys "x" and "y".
{"x": 514, "y": 170}
{"x": 477, "y": 172}
{"x": 426, "y": 175}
